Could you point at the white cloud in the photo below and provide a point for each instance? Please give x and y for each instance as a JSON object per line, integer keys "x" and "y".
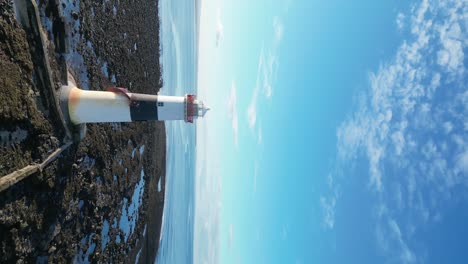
{"x": 400, "y": 21}
{"x": 252, "y": 110}
{"x": 462, "y": 162}
{"x": 328, "y": 207}
{"x": 232, "y": 108}
{"x": 219, "y": 27}
{"x": 418, "y": 17}
{"x": 375, "y": 154}
{"x": 278, "y": 29}
{"x": 270, "y": 63}
{"x": 270, "y": 71}
{"x": 399, "y": 142}
{"x": 448, "y": 127}
{"x": 435, "y": 83}
{"x": 328, "y": 203}
{"x": 451, "y": 55}
{"x": 443, "y": 57}
{"x": 267, "y": 71}
{"x": 406, "y": 255}
{"x": 399, "y": 85}
{"x": 408, "y": 124}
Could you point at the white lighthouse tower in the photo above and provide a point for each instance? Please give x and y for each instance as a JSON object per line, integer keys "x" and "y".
{"x": 119, "y": 105}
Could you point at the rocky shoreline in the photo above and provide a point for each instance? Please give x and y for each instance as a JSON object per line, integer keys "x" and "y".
{"x": 78, "y": 208}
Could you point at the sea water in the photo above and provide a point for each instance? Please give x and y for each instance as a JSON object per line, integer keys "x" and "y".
{"x": 179, "y": 57}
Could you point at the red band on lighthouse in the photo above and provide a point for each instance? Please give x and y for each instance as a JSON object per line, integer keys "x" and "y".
{"x": 189, "y": 108}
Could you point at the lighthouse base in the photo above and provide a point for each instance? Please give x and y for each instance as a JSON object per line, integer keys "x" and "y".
{"x": 78, "y": 132}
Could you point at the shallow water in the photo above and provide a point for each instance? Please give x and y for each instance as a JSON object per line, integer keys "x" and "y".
{"x": 74, "y": 58}
{"x": 126, "y": 222}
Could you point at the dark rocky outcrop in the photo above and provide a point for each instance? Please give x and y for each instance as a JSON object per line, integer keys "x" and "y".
{"x": 54, "y": 214}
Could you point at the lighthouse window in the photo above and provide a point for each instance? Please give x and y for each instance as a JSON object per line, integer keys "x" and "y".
{"x": 160, "y": 104}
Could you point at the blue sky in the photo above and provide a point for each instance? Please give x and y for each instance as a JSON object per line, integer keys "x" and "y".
{"x": 338, "y": 132}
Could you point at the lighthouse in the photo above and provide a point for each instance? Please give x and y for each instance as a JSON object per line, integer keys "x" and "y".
{"x": 119, "y": 105}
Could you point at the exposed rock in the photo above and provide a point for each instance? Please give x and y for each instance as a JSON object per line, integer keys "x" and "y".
{"x": 46, "y": 217}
